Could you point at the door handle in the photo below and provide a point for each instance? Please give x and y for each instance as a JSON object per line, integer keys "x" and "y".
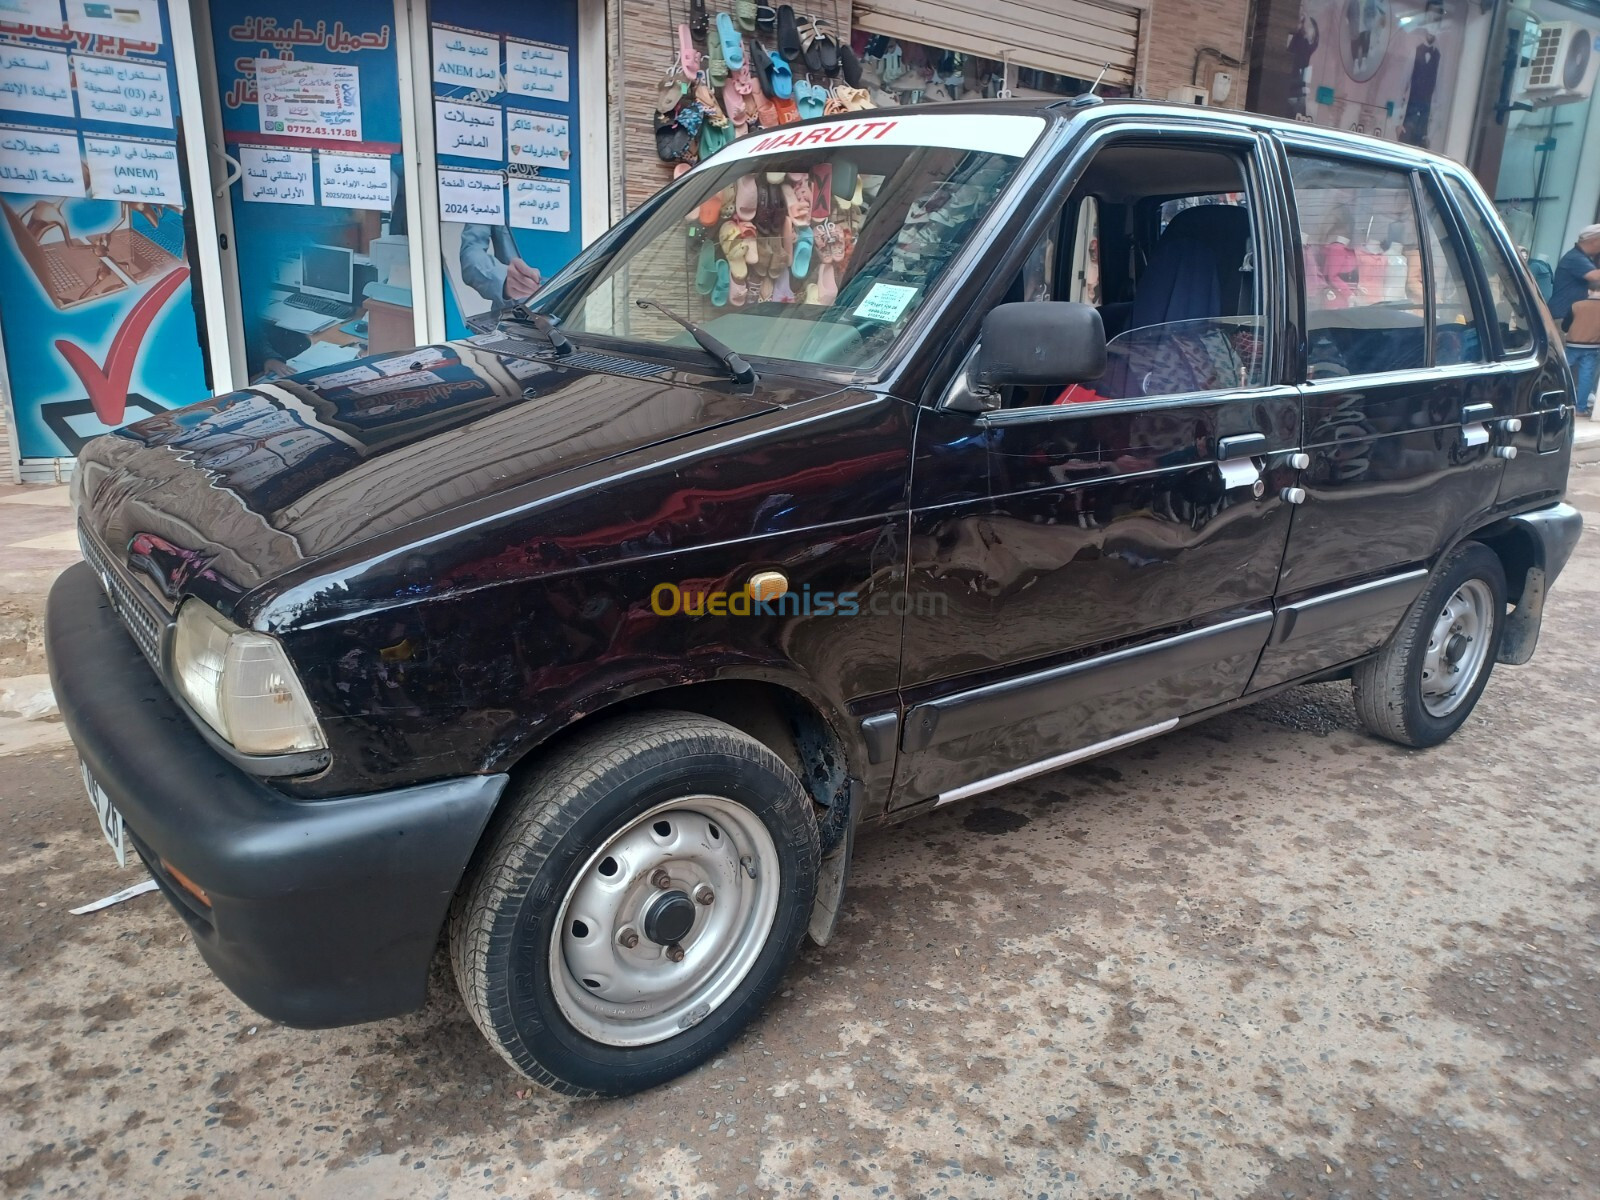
{"x": 1474, "y": 423}
{"x": 1242, "y": 445}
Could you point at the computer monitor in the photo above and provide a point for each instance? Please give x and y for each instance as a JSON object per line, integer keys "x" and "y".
{"x": 328, "y": 271}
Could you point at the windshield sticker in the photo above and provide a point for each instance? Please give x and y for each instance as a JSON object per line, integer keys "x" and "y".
{"x": 885, "y": 302}
{"x": 1009, "y": 134}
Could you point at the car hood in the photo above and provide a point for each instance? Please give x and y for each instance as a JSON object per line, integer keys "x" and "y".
{"x": 220, "y": 497}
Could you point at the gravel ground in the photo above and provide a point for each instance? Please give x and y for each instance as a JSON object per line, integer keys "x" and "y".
{"x": 1265, "y": 956}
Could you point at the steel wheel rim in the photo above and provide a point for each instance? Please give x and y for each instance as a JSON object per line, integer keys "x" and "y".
{"x": 623, "y": 994}
{"x": 1458, "y": 648}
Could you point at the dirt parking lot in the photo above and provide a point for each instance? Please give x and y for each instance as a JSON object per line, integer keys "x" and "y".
{"x": 1266, "y": 956}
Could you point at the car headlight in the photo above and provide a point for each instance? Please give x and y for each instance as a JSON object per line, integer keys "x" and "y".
{"x": 241, "y": 684}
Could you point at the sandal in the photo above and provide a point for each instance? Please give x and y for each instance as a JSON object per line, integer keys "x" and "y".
{"x": 690, "y": 59}
{"x": 733, "y": 102}
{"x": 730, "y": 41}
{"x": 788, "y": 112}
{"x": 671, "y": 90}
{"x": 782, "y": 78}
{"x": 892, "y": 66}
{"x": 849, "y": 65}
{"x": 744, "y": 12}
{"x": 803, "y": 243}
{"x": 716, "y": 71}
{"x": 783, "y": 288}
{"x": 761, "y": 68}
{"x": 719, "y": 290}
{"x": 745, "y": 198}
{"x": 810, "y": 99}
{"x": 828, "y": 51}
{"x": 821, "y": 191}
{"x": 788, "y": 35}
{"x": 810, "y": 50}
{"x": 705, "y": 274}
{"x": 731, "y": 240}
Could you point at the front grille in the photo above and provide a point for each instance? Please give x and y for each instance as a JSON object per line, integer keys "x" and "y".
{"x": 144, "y": 626}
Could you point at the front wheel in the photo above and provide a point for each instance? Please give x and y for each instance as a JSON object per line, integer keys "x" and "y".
{"x": 1419, "y": 688}
{"x": 639, "y": 905}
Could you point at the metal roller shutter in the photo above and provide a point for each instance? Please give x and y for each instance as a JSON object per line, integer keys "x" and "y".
{"x": 1067, "y": 37}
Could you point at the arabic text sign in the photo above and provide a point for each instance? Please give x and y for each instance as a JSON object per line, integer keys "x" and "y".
{"x": 541, "y": 204}
{"x": 125, "y": 91}
{"x": 469, "y": 130}
{"x": 539, "y": 140}
{"x": 355, "y": 180}
{"x": 465, "y": 59}
{"x": 35, "y": 81}
{"x": 472, "y": 197}
{"x": 309, "y": 99}
{"x": 40, "y": 162}
{"x": 138, "y": 170}
{"x": 538, "y": 71}
{"x": 273, "y": 176}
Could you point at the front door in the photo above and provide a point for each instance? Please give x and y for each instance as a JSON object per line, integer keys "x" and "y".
{"x": 1402, "y": 409}
{"x": 1104, "y": 555}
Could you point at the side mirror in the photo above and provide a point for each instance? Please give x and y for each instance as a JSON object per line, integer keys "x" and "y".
{"x": 1041, "y": 342}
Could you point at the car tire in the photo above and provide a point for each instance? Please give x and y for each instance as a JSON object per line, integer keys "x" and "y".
{"x": 587, "y": 968}
{"x": 1423, "y": 683}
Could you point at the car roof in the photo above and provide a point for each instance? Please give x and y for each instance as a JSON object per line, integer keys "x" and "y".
{"x": 1099, "y": 109}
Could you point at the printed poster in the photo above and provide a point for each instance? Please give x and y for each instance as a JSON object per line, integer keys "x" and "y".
{"x": 466, "y": 59}
{"x": 273, "y": 176}
{"x": 538, "y": 71}
{"x": 35, "y": 81}
{"x": 541, "y": 204}
{"x": 475, "y": 197}
{"x": 355, "y": 180}
{"x": 536, "y": 139}
{"x": 96, "y": 310}
{"x": 469, "y": 130}
{"x": 309, "y": 99}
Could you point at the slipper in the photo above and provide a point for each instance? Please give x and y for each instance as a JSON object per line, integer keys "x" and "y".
{"x": 783, "y": 289}
{"x": 716, "y": 72}
{"x": 688, "y": 57}
{"x": 810, "y": 99}
{"x": 822, "y": 191}
{"x": 710, "y": 211}
{"x": 766, "y": 16}
{"x": 731, "y": 240}
{"x": 812, "y": 296}
{"x": 714, "y": 137}
{"x": 828, "y": 51}
{"x": 761, "y": 69}
{"x": 733, "y": 102}
{"x": 671, "y": 90}
{"x": 744, "y": 12}
{"x": 745, "y": 198}
{"x": 732, "y": 44}
{"x": 788, "y": 113}
{"x": 788, "y": 35}
{"x": 674, "y": 143}
{"x": 769, "y": 208}
{"x": 846, "y": 177}
{"x": 849, "y": 65}
{"x": 782, "y": 79}
{"x": 766, "y": 111}
{"x": 853, "y": 99}
{"x": 797, "y": 197}
{"x": 682, "y": 169}
{"x": 719, "y": 290}
{"x": 892, "y": 65}
{"x": 738, "y": 291}
{"x": 803, "y": 243}
{"x": 705, "y": 273}
{"x": 809, "y": 49}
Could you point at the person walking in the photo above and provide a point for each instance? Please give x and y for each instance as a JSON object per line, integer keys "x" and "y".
{"x": 1576, "y": 273}
{"x": 1583, "y": 349}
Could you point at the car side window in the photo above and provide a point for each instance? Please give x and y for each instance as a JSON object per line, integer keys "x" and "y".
{"x": 1505, "y": 294}
{"x": 1365, "y": 308}
{"x": 1456, "y": 334}
{"x": 1177, "y": 291}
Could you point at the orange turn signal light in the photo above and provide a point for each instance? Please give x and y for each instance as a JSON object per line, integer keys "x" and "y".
{"x": 187, "y": 884}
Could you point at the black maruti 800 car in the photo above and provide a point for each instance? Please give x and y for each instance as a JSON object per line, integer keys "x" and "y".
{"x": 880, "y": 461}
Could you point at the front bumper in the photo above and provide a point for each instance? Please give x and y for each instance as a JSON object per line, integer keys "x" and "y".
{"x": 323, "y": 912}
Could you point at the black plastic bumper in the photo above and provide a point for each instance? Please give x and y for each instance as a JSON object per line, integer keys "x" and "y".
{"x": 1552, "y": 533}
{"x": 323, "y": 912}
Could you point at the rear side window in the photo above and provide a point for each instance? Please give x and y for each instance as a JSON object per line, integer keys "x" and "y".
{"x": 1365, "y": 311}
{"x": 1456, "y": 336}
{"x": 1505, "y": 293}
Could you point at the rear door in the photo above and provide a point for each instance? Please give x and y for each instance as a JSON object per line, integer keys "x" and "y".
{"x": 1106, "y": 559}
{"x": 1403, "y": 398}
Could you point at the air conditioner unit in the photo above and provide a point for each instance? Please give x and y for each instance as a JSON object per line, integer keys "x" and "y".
{"x": 1189, "y": 95}
{"x": 1563, "y": 65}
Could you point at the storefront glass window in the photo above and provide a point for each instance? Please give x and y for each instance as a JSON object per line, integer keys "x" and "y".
{"x": 897, "y": 72}
{"x": 95, "y": 250}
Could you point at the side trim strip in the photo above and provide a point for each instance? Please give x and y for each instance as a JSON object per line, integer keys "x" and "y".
{"x": 962, "y": 714}
{"x": 1348, "y": 606}
{"x": 1016, "y": 774}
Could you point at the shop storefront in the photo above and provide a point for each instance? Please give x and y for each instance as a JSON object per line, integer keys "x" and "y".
{"x": 1508, "y": 89}
{"x": 201, "y": 197}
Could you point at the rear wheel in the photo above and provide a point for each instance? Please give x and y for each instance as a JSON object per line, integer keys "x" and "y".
{"x": 1419, "y": 688}
{"x": 638, "y": 907}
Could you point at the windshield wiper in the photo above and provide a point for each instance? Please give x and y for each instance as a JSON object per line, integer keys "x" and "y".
{"x": 545, "y": 325}
{"x": 742, "y": 371}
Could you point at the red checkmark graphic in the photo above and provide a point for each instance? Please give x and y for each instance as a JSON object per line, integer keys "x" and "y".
{"x": 108, "y": 386}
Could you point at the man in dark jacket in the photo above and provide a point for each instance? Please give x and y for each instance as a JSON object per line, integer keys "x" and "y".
{"x": 1576, "y": 273}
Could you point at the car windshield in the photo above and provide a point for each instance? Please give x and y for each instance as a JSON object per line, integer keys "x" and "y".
{"x": 814, "y": 245}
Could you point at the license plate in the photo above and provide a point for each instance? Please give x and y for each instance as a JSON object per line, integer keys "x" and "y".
{"x": 106, "y": 812}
